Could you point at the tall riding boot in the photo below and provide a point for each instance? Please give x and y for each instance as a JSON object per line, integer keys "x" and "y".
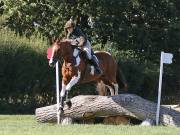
{"x": 96, "y": 65}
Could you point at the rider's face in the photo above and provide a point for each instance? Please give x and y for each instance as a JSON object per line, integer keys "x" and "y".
{"x": 70, "y": 29}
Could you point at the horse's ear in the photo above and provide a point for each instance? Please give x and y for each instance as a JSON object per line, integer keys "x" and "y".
{"x": 57, "y": 40}
{"x": 53, "y": 39}
{"x": 60, "y": 38}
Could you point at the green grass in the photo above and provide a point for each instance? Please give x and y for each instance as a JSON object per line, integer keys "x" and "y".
{"x": 27, "y": 125}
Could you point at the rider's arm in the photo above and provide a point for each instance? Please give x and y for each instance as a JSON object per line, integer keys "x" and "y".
{"x": 82, "y": 37}
{"x": 82, "y": 41}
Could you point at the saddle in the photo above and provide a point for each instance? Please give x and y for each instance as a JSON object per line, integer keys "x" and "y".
{"x": 90, "y": 69}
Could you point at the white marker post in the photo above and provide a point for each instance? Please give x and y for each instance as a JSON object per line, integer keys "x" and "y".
{"x": 167, "y": 59}
{"x": 57, "y": 91}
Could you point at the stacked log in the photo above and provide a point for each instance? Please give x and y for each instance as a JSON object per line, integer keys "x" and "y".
{"x": 126, "y": 105}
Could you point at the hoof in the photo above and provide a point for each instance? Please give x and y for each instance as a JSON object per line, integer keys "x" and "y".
{"x": 69, "y": 103}
{"x": 61, "y": 111}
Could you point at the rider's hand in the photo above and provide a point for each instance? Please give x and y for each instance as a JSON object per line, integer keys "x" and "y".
{"x": 74, "y": 42}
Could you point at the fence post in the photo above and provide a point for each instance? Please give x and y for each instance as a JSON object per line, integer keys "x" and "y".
{"x": 57, "y": 92}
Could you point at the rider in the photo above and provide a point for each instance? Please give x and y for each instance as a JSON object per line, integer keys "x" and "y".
{"x": 76, "y": 36}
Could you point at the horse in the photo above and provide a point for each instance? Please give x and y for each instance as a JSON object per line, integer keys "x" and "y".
{"x": 76, "y": 70}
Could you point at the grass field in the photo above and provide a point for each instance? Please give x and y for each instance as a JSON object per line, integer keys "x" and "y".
{"x": 27, "y": 125}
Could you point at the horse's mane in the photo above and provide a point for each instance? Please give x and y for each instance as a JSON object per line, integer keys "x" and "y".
{"x": 60, "y": 40}
{"x": 64, "y": 41}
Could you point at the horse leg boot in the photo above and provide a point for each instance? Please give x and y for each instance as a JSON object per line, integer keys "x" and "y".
{"x": 72, "y": 82}
{"x": 96, "y": 65}
{"x": 68, "y": 101}
{"x": 62, "y": 98}
{"x": 61, "y": 105}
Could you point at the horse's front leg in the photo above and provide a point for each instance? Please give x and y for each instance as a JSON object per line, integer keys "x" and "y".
{"x": 62, "y": 95}
{"x": 72, "y": 82}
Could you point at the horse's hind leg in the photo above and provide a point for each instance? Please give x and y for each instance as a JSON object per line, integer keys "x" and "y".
{"x": 112, "y": 86}
{"x": 103, "y": 85}
{"x": 101, "y": 88}
{"x": 111, "y": 89}
{"x": 116, "y": 88}
{"x": 109, "y": 86}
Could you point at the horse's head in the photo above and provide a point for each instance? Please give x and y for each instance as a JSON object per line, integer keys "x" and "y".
{"x": 60, "y": 49}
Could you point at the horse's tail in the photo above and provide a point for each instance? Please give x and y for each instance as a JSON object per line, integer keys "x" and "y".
{"x": 121, "y": 80}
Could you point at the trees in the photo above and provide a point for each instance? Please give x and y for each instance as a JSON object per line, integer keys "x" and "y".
{"x": 143, "y": 26}
{"x": 138, "y": 28}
